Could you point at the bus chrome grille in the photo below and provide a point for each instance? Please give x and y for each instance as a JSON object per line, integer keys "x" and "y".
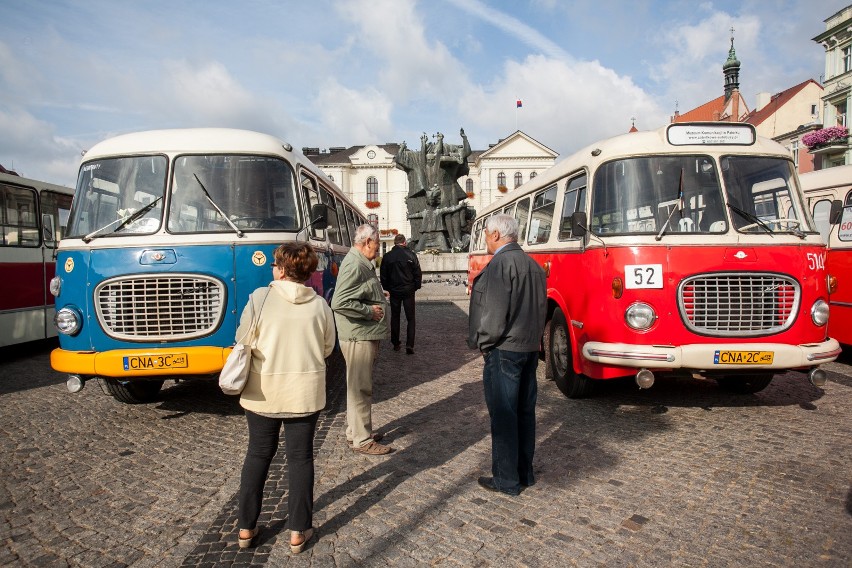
{"x": 160, "y": 308}
{"x": 738, "y": 304}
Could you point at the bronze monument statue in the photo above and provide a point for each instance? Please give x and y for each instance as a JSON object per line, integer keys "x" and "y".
{"x": 439, "y": 219}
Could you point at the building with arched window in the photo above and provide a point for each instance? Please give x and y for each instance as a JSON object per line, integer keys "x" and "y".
{"x": 368, "y": 175}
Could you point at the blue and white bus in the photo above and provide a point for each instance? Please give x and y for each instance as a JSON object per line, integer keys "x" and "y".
{"x": 169, "y": 233}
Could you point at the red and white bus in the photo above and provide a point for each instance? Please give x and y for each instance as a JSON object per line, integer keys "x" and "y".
{"x": 681, "y": 251}
{"x": 828, "y": 194}
{"x": 33, "y": 216}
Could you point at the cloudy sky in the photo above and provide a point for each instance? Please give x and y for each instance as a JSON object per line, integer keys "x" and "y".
{"x": 341, "y": 72}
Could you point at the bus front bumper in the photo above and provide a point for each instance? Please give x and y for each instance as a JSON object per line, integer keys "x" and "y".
{"x": 713, "y": 356}
{"x": 141, "y": 362}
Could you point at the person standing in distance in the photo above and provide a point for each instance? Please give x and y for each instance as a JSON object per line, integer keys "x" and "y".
{"x": 360, "y": 312}
{"x": 402, "y": 277}
{"x": 508, "y": 312}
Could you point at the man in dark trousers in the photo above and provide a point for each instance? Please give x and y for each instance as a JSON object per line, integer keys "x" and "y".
{"x": 508, "y": 309}
{"x": 401, "y": 276}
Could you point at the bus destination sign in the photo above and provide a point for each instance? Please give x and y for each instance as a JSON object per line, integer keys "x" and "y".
{"x": 716, "y": 134}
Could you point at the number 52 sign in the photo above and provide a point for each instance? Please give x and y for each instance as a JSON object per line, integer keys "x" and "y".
{"x": 643, "y": 276}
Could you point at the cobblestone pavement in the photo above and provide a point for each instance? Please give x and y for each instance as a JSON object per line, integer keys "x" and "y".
{"x": 682, "y": 474}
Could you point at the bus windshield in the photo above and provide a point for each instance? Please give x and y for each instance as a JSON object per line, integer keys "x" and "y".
{"x": 255, "y": 192}
{"x": 654, "y": 194}
{"x": 112, "y": 193}
{"x": 760, "y": 196}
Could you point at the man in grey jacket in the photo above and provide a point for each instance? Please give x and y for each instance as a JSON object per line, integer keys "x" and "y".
{"x": 360, "y": 312}
{"x": 508, "y": 311}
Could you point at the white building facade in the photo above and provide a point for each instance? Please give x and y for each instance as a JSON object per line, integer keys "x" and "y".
{"x": 837, "y": 41}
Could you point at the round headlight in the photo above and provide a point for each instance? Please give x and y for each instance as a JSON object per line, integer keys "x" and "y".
{"x": 67, "y": 321}
{"x": 819, "y": 312}
{"x": 55, "y": 285}
{"x": 640, "y": 316}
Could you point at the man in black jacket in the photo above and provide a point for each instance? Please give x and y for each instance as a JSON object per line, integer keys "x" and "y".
{"x": 401, "y": 276}
{"x": 508, "y": 311}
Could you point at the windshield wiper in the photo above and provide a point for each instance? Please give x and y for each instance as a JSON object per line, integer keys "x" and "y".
{"x": 216, "y": 207}
{"x": 678, "y": 207}
{"x": 124, "y": 221}
{"x": 750, "y": 217}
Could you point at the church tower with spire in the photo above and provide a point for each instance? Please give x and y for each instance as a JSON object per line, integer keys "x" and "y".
{"x": 731, "y": 69}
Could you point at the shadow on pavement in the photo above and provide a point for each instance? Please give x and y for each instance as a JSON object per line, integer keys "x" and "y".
{"x": 23, "y": 366}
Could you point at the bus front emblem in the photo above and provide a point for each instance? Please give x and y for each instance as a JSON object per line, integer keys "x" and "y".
{"x": 740, "y": 255}
{"x": 69, "y": 265}
{"x": 258, "y": 258}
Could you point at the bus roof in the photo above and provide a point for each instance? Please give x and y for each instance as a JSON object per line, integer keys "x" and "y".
{"x": 838, "y": 176}
{"x": 28, "y": 182}
{"x": 206, "y": 140}
{"x": 632, "y": 144}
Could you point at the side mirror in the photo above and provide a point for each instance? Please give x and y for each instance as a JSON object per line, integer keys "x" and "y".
{"x": 48, "y": 234}
{"x": 835, "y": 212}
{"x": 578, "y": 223}
{"x": 319, "y": 216}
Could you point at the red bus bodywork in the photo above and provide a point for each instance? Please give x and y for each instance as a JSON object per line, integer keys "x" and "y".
{"x": 738, "y": 305}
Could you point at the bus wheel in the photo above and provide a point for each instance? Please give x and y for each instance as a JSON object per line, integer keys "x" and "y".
{"x": 747, "y": 384}
{"x": 572, "y": 385}
{"x": 133, "y": 392}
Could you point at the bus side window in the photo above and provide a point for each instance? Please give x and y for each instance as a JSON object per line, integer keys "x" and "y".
{"x": 522, "y": 214}
{"x": 58, "y": 206}
{"x": 18, "y": 219}
{"x": 542, "y": 216}
{"x": 820, "y": 211}
{"x": 352, "y": 223}
{"x": 334, "y": 227}
{"x": 344, "y": 226}
{"x": 474, "y": 241}
{"x": 575, "y": 191}
{"x": 311, "y": 198}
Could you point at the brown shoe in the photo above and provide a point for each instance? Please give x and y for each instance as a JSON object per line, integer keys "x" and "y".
{"x": 372, "y": 448}
{"x": 377, "y": 437}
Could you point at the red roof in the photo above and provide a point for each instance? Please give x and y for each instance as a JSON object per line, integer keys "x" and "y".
{"x": 777, "y": 101}
{"x": 706, "y": 112}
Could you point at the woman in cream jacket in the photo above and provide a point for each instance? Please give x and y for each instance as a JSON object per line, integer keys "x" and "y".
{"x": 294, "y": 335}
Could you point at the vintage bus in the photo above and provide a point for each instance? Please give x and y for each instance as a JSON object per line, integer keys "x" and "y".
{"x": 169, "y": 233}
{"x": 33, "y": 216}
{"x": 828, "y": 194}
{"x": 681, "y": 251}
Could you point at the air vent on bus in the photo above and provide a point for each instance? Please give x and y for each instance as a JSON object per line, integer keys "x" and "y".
{"x": 163, "y": 307}
{"x": 738, "y": 304}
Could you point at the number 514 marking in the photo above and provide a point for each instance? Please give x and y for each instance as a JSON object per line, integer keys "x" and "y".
{"x": 643, "y": 276}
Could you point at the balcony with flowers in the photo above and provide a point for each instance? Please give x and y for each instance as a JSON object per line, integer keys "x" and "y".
{"x": 829, "y": 140}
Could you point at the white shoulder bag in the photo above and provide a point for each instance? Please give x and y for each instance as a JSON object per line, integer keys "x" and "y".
{"x": 235, "y": 372}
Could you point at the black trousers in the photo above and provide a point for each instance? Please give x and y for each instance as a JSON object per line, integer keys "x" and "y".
{"x": 407, "y": 303}
{"x": 262, "y": 446}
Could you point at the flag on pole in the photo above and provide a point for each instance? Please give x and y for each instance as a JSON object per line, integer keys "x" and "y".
{"x": 519, "y": 104}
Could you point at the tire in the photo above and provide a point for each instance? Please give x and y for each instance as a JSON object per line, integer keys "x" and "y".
{"x": 745, "y": 384}
{"x": 133, "y": 392}
{"x": 561, "y": 360}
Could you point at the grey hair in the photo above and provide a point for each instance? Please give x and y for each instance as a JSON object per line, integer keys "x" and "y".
{"x": 364, "y": 232}
{"x": 504, "y": 224}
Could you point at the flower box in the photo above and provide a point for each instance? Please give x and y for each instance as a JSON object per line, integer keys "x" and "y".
{"x": 825, "y": 137}
{"x": 372, "y": 204}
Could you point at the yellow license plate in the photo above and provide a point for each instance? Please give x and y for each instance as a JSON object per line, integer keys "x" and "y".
{"x": 743, "y": 357}
{"x": 166, "y": 361}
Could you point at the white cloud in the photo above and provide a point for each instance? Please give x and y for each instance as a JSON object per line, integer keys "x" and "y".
{"x": 566, "y": 105}
{"x": 30, "y": 147}
{"x": 353, "y": 116}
